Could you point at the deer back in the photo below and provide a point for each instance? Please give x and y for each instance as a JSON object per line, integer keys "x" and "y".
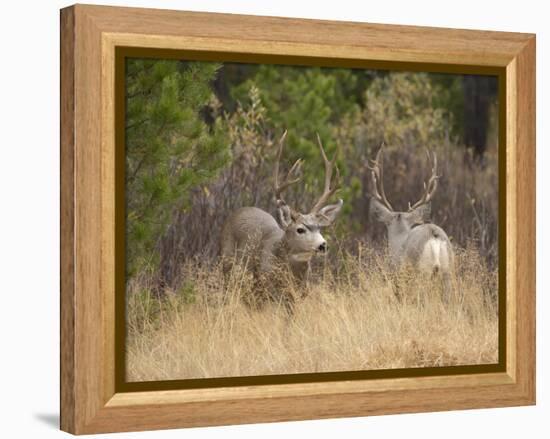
{"x": 248, "y": 229}
{"x": 410, "y": 238}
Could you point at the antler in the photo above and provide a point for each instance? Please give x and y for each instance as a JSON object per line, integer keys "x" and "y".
{"x": 376, "y": 168}
{"x": 431, "y": 186}
{"x": 329, "y": 168}
{"x": 279, "y": 188}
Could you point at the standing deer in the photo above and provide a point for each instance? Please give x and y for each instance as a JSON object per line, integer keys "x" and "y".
{"x": 424, "y": 246}
{"x": 292, "y": 241}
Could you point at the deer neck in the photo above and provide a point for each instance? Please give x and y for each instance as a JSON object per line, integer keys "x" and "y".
{"x": 298, "y": 263}
{"x": 397, "y": 235}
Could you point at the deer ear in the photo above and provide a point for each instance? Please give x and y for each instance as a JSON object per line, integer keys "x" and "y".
{"x": 285, "y": 215}
{"x": 380, "y": 212}
{"x": 421, "y": 214}
{"x": 327, "y": 215}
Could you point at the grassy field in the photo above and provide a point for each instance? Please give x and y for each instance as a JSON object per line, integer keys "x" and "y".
{"x": 351, "y": 320}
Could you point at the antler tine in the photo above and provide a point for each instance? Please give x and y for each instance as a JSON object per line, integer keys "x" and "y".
{"x": 279, "y": 188}
{"x": 431, "y": 186}
{"x": 377, "y": 177}
{"x": 329, "y": 188}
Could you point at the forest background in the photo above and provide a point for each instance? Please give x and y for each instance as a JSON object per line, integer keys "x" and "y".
{"x": 201, "y": 136}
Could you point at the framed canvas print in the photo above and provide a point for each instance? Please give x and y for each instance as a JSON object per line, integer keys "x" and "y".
{"x": 269, "y": 219}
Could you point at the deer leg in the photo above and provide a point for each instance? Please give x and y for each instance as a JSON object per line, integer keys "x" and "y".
{"x": 396, "y": 286}
{"x": 289, "y": 304}
{"x": 260, "y": 291}
{"x": 393, "y": 277}
{"x": 400, "y": 281}
{"x": 447, "y": 287}
{"x": 281, "y": 292}
{"x": 228, "y": 258}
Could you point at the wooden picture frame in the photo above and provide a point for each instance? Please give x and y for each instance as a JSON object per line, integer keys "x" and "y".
{"x": 91, "y": 400}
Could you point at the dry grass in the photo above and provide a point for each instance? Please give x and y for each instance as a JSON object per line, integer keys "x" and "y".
{"x": 351, "y": 320}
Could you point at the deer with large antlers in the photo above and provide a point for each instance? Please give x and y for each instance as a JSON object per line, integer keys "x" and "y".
{"x": 411, "y": 239}
{"x": 292, "y": 240}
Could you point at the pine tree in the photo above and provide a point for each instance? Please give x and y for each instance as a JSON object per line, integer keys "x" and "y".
{"x": 307, "y": 101}
{"x": 169, "y": 148}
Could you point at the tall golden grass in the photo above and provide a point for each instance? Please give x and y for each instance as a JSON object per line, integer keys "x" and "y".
{"x": 350, "y": 320}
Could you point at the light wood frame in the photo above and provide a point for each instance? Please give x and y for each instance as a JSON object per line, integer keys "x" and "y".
{"x": 89, "y": 37}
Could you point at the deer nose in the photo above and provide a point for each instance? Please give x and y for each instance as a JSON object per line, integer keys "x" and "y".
{"x": 323, "y": 247}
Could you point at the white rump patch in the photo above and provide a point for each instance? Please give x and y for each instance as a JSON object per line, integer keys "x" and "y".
{"x": 434, "y": 256}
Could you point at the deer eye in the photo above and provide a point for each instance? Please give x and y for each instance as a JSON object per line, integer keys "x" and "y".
{"x": 300, "y": 230}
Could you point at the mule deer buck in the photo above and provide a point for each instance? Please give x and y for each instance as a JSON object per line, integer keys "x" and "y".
{"x": 411, "y": 241}
{"x": 252, "y": 233}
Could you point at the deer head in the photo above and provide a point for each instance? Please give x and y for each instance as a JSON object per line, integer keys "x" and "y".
{"x": 418, "y": 213}
{"x": 303, "y": 230}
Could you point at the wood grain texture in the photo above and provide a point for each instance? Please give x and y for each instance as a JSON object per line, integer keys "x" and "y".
{"x": 525, "y": 287}
{"x": 107, "y": 217}
{"x": 82, "y": 310}
{"x": 89, "y": 309}
{"x": 309, "y": 389}
{"x": 67, "y": 253}
{"x": 89, "y": 37}
{"x": 328, "y": 38}
{"x": 511, "y": 223}
{"x": 297, "y": 407}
